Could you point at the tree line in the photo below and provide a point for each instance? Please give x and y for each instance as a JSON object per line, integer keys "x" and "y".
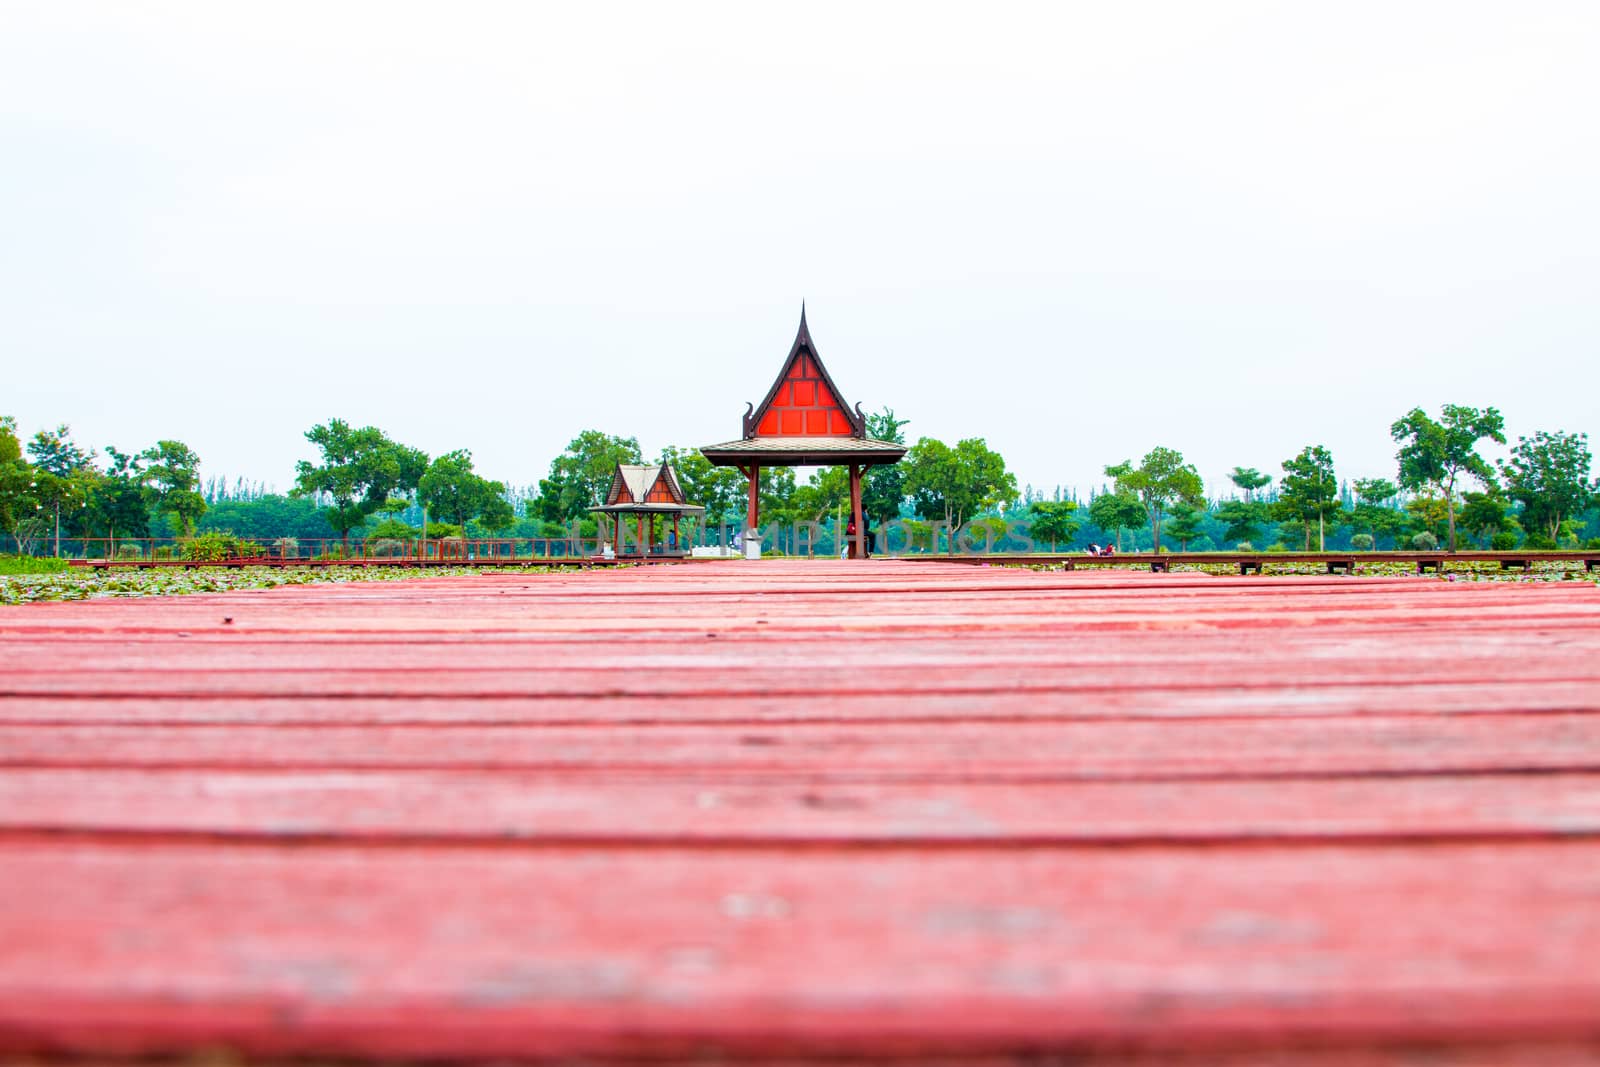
{"x": 365, "y": 483}
{"x": 1541, "y": 496}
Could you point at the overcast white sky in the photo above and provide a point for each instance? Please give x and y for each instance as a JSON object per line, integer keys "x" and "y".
{"x": 1076, "y": 230}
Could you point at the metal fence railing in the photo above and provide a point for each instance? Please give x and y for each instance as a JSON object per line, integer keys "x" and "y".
{"x": 289, "y": 549}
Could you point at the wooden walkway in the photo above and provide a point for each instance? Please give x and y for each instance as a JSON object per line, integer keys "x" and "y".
{"x": 807, "y": 811}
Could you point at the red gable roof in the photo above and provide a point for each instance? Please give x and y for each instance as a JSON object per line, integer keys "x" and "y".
{"x": 804, "y": 402}
{"x": 664, "y": 490}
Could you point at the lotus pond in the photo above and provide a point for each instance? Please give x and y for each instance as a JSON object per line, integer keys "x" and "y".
{"x": 84, "y": 584}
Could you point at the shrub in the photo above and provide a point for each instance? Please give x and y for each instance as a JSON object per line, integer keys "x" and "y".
{"x": 1504, "y": 541}
{"x": 385, "y": 547}
{"x": 129, "y": 552}
{"x": 1424, "y": 542}
{"x": 287, "y": 547}
{"x": 1362, "y": 542}
{"x": 217, "y": 545}
{"x": 1279, "y": 547}
{"x": 1593, "y": 542}
{"x": 393, "y": 529}
{"x": 1542, "y": 542}
{"x": 1244, "y": 546}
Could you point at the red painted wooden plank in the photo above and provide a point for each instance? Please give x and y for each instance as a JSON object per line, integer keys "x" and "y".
{"x": 429, "y": 952}
{"x": 496, "y": 598}
{"x": 1062, "y": 681}
{"x": 392, "y": 948}
{"x": 874, "y": 751}
{"x": 1375, "y": 697}
{"x": 524, "y": 609}
{"x": 1519, "y": 1054}
{"x": 475, "y": 805}
{"x": 242, "y": 652}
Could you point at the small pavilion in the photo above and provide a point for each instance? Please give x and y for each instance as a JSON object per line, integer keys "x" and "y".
{"x": 645, "y": 492}
{"x": 805, "y": 422}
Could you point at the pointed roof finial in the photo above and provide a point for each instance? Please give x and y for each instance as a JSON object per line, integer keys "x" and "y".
{"x": 803, "y": 331}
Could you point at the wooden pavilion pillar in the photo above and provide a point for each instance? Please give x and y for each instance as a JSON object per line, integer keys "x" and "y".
{"x": 644, "y": 546}
{"x": 753, "y": 513}
{"x": 858, "y": 547}
{"x": 616, "y": 535}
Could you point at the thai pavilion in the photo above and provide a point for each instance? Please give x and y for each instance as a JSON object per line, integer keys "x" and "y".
{"x": 645, "y": 493}
{"x": 804, "y": 422}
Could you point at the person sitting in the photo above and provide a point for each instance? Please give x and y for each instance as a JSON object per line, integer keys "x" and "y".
{"x": 1094, "y": 549}
{"x": 1109, "y": 550}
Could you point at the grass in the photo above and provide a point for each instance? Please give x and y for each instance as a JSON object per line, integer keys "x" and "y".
{"x": 27, "y": 587}
{"x": 31, "y": 565}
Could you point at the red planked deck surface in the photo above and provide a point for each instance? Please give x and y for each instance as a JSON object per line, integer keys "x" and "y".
{"x": 791, "y": 811}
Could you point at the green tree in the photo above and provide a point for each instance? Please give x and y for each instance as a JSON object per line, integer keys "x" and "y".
{"x": 10, "y": 444}
{"x": 720, "y": 490}
{"x": 826, "y": 493}
{"x": 54, "y": 452}
{"x": 777, "y": 495}
{"x": 1242, "y": 519}
{"x": 270, "y": 517}
{"x": 1248, "y": 479}
{"x": 1548, "y": 474}
{"x": 580, "y": 476}
{"x": 1485, "y": 514}
{"x": 173, "y": 475}
{"x": 1160, "y": 480}
{"x": 496, "y": 513}
{"x": 1054, "y": 520}
{"x": 63, "y": 474}
{"x": 360, "y": 470}
{"x": 957, "y": 483}
{"x": 1184, "y": 524}
{"x": 21, "y": 512}
{"x": 1374, "y": 512}
{"x": 1115, "y": 512}
{"x": 883, "y": 488}
{"x": 1309, "y": 492}
{"x": 1437, "y": 455}
{"x": 120, "y": 503}
{"x": 1426, "y": 513}
{"x": 453, "y": 492}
